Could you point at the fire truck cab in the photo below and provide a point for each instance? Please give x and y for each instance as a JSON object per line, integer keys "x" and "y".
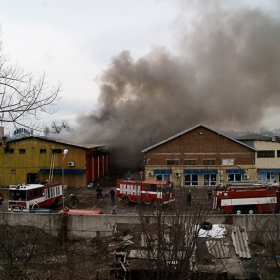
{"x": 152, "y": 192}
{"x": 250, "y": 199}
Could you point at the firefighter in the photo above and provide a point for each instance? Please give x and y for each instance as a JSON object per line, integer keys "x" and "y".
{"x": 112, "y": 193}
{"x": 209, "y": 194}
{"x": 189, "y": 198}
{"x": 74, "y": 199}
{"x": 99, "y": 192}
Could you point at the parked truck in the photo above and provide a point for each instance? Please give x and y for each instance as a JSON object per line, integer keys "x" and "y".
{"x": 152, "y": 192}
{"x": 247, "y": 199}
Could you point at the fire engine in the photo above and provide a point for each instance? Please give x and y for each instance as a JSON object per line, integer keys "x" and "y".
{"x": 34, "y": 196}
{"x": 152, "y": 192}
{"x": 250, "y": 199}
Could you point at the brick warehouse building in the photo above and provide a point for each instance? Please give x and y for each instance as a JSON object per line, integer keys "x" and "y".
{"x": 30, "y": 159}
{"x": 200, "y": 156}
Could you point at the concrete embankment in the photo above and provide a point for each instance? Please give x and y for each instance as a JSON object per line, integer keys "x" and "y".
{"x": 84, "y": 226}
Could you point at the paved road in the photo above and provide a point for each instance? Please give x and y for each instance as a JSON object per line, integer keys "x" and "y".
{"x": 87, "y": 200}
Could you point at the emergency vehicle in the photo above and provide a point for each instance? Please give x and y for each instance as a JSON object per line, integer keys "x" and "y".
{"x": 34, "y": 196}
{"x": 250, "y": 199}
{"x": 149, "y": 191}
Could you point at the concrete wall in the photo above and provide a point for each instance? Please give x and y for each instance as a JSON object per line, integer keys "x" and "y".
{"x": 83, "y": 226}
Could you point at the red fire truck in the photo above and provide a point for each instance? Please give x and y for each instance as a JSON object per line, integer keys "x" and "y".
{"x": 34, "y": 196}
{"x": 149, "y": 192}
{"x": 247, "y": 199}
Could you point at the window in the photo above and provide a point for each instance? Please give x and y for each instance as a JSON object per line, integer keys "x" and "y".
{"x": 57, "y": 151}
{"x": 22, "y": 151}
{"x": 190, "y": 162}
{"x": 43, "y": 151}
{"x": 162, "y": 177}
{"x": 209, "y": 179}
{"x": 266, "y": 154}
{"x": 191, "y": 180}
{"x": 234, "y": 177}
{"x": 278, "y": 153}
{"x": 9, "y": 151}
{"x": 172, "y": 162}
{"x": 209, "y": 162}
{"x": 13, "y": 171}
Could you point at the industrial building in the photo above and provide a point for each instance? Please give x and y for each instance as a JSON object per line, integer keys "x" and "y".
{"x": 200, "y": 156}
{"x": 32, "y": 159}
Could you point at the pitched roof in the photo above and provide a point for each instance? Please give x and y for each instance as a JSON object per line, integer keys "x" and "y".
{"x": 190, "y": 129}
{"x": 254, "y": 137}
{"x": 60, "y": 141}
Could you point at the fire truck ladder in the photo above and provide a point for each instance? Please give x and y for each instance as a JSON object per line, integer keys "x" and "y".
{"x": 51, "y": 168}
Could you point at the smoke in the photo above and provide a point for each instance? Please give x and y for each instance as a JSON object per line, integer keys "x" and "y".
{"x": 226, "y": 75}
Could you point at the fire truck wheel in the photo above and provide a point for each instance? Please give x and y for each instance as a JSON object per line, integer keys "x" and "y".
{"x": 251, "y": 210}
{"x": 35, "y": 206}
{"x": 126, "y": 199}
{"x": 238, "y": 210}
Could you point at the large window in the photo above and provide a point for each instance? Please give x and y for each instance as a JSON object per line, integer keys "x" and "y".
{"x": 266, "y": 177}
{"x": 191, "y": 180}
{"x": 234, "y": 177}
{"x": 172, "y": 162}
{"x": 190, "y": 162}
{"x": 9, "y": 151}
{"x": 57, "y": 151}
{"x": 209, "y": 179}
{"x": 209, "y": 162}
{"x": 266, "y": 154}
{"x": 162, "y": 177}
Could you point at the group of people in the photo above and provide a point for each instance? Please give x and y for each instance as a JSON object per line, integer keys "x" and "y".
{"x": 99, "y": 193}
{"x": 75, "y": 199}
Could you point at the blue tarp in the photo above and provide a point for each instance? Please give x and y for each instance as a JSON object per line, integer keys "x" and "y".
{"x": 274, "y": 170}
{"x": 66, "y": 171}
{"x": 163, "y": 171}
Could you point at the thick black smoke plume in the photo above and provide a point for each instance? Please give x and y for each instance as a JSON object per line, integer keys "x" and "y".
{"x": 226, "y": 76}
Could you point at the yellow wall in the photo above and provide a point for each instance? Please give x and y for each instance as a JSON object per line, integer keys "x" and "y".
{"x": 14, "y": 167}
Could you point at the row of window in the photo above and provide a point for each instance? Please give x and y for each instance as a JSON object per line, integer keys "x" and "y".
{"x": 260, "y": 154}
{"x": 42, "y": 151}
{"x": 191, "y": 162}
{"x": 211, "y": 179}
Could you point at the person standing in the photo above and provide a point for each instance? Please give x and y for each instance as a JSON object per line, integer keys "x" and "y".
{"x": 189, "y": 198}
{"x": 112, "y": 193}
{"x": 99, "y": 192}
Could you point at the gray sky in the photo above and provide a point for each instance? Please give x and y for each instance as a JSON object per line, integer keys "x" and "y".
{"x": 74, "y": 41}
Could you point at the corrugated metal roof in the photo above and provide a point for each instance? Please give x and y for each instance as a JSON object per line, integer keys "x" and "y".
{"x": 190, "y": 129}
{"x": 218, "y": 249}
{"x": 240, "y": 241}
{"x": 61, "y": 141}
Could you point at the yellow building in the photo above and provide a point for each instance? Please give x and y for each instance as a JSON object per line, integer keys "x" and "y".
{"x": 37, "y": 159}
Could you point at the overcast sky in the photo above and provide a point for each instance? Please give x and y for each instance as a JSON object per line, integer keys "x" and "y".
{"x": 73, "y": 41}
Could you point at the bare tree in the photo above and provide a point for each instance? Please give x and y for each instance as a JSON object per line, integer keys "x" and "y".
{"x": 267, "y": 243}
{"x": 22, "y": 97}
{"x": 58, "y": 127}
{"x": 28, "y": 252}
